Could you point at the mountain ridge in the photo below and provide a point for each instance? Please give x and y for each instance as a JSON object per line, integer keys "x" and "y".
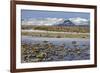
{"x": 56, "y": 21}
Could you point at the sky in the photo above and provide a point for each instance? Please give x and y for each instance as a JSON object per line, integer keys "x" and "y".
{"x": 28, "y": 14}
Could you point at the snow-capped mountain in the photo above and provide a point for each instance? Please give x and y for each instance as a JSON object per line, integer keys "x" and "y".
{"x": 56, "y": 21}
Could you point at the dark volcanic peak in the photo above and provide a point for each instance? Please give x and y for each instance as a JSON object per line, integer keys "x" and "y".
{"x": 66, "y": 23}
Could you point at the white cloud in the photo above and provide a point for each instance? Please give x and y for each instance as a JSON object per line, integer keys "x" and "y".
{"x": 42, "y": 21}
{"x": 79, "y": 21}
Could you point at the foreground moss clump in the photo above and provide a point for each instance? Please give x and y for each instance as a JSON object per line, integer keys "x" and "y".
{"x": 47, "y": 51}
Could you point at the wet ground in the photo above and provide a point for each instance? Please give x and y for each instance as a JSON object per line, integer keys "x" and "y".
{"x": 34, "y": 49}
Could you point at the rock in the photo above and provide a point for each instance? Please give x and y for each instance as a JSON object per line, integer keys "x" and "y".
{"x": 35, "y": 60}
{"x": 74, "y": 42}
{"x": 40, "y": 55}
{"x": 32, "y": 56}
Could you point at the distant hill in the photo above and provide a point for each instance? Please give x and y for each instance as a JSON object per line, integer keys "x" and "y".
{"x": 66, "y": 23}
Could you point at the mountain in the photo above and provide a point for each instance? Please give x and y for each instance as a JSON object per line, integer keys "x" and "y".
{"x": 66, "y": 23}
{"x": 56, "y": 21}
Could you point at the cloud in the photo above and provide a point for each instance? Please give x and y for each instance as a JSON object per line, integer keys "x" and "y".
{"x": 42, "y": 21}
{"x": 79, "y": 21}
